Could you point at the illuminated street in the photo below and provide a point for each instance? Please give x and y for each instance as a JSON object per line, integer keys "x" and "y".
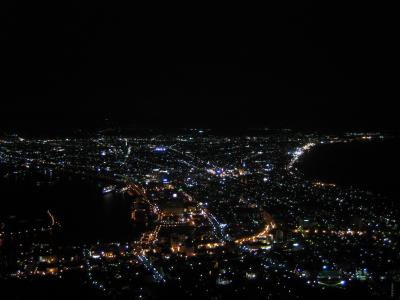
{"x": 209, "y": 214}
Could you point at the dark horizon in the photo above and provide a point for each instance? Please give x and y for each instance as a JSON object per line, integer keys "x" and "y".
{"x": 69, "y": 125}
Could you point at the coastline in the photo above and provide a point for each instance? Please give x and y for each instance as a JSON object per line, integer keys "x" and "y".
{"x": 368, "y": 165}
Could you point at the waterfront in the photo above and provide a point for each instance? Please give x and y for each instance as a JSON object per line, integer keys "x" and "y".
{"x": 86, "y": 215}
{"x": 368, "y": 165}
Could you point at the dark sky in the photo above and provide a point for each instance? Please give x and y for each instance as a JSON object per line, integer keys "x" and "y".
{"x": 306, "y": 65}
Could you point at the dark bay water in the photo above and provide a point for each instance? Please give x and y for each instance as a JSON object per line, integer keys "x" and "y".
{"x": 370, "y": 165}
{"x": 78, "y": 204}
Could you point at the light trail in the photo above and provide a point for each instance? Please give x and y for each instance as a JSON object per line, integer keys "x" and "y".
{"x": 158, "y": 277}
{"x": 51, "y": 217}
{"x": 298, "y": 153}
{"x": 253, "y": 238}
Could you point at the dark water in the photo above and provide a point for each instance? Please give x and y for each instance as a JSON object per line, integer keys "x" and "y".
{"x": 370, "y": 165}
{"x": 78, "y": 204}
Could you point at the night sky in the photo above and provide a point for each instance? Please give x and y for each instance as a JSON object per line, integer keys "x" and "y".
{"x": 306, "y": 65}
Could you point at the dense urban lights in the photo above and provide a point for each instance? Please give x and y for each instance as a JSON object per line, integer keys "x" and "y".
{"x": 212, "y": 212}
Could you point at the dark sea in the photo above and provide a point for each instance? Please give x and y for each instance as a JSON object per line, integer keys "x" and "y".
{"x": 77, "y": 203}
{"x": 369, "y": 165}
